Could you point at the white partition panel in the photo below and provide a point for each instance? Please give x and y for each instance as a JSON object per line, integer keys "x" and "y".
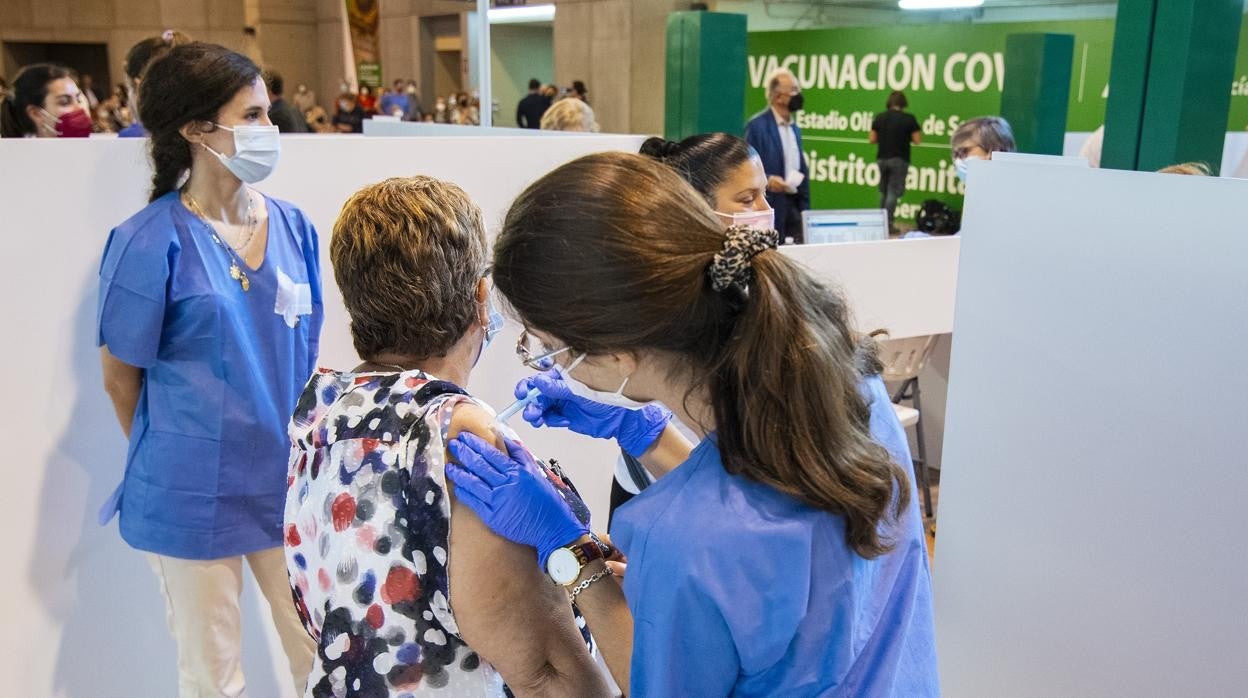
{"x": 82, "y": 613}
{"x": 1091, "y": 536}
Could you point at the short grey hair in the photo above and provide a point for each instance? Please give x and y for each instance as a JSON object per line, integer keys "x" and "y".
{"x": 992, "y": 133}
{"x": 773, "y": 80}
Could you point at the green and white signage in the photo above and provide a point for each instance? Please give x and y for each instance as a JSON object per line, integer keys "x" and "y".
{"x": 949, "y": 73}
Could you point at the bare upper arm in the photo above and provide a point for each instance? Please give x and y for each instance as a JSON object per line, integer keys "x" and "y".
{"x": 118, "y": 372}
{"x": 506, "y": 608}
{"x": 916, "y": 137}
{"x": 874, "y": 137}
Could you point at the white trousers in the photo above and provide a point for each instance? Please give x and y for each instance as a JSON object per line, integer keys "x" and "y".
{"x": 201, "y": 602}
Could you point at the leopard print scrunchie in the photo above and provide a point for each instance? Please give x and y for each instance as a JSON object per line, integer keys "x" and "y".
{"x": 731, "y": 265}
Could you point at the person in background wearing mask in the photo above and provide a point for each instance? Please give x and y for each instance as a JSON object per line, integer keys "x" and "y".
{"x": 46, "y": 103}
{"x": 773, "y": 133}
{"x": 395, "y": 102}
{"x": 442, "y": 111}
{"x": 784, "y": 555}
{"x": 978, "y": 139}
{"x": 209, "y": 321}
{"x": 349, "y": 118}
{"x": 415, "y": 110}
{"x": 727, "y": 172}
{"x": 367, "y": 100}
{"x": 531, "y": 108}
{"x": 411, "y": 544}
{"x": 304, "y": 99}
{"x": 282, "y": 114}
{"x": 137, "y": 59}
{"x": 894, "y": 130}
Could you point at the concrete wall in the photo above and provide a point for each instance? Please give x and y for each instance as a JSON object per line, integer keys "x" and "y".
{"x": 119, "y": 24}
{"x": 518, "y": 52}
{"x": 617, "y": 48}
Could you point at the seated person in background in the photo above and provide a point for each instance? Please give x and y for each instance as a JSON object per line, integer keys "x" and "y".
{"x": 978, "y": 139}
{"x": 350, "y": 115}
{"x": 569, "y": 114}
{"x": 378, "y": 548}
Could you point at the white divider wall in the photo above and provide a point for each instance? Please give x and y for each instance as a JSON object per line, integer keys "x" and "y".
{"x": 1091, "y": 525}
{"x": 83, "y": 613}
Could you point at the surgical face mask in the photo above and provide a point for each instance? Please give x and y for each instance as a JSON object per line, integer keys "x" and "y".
{"x": 495, "y": 325}
{"x": 758, "y": 220}
{"x": 584, "y": 391}
{"x": 796, "y": 102}
{"x": 959, "y": 166}
{"x": 75, "y": 123}
{"x": 256, "y": 149}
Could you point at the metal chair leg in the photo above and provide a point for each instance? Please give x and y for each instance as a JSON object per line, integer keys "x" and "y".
{"x": 920, "y": 464}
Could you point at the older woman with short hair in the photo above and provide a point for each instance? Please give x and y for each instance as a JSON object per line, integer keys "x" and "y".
{"x": 569, "y": 114}
{"x": 378, "y": 548}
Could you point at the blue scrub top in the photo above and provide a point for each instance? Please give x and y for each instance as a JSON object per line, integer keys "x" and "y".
{"x": 206, "y": 469}
{"x": 736, "y": 588}
{"x": 134, "y": 130}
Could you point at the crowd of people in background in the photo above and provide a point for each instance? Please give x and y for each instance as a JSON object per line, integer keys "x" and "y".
{"x": 42, "y": 96}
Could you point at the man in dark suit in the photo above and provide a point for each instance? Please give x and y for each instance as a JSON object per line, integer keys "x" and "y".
{"x": 773, "y": 133}
{"x": 530, "y": 110}
{"x": 286, "y": 118}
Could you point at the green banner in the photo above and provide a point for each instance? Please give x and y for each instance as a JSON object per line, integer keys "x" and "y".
{"x": 949, "y": 72}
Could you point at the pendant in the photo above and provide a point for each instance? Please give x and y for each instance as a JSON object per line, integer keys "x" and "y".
{"x": 237, "y": 274}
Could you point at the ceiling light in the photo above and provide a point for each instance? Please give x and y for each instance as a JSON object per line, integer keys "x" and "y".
{"x": 522, "y": 14}
{"x": 938, "y": 4}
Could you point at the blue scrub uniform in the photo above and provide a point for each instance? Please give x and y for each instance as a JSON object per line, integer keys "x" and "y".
{"x": 206, "y": 469}
{"x": 736, "y": 588}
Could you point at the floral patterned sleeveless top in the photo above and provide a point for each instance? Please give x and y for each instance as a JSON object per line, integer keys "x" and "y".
{"x": 367, "y": 525}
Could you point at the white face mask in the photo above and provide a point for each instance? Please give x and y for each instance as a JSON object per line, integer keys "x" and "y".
{"x": 758, "y": 220}
{"x": 584, "y": 391}
{"x": 256, "y": 149}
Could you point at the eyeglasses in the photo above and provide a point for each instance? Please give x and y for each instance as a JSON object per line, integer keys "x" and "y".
{"x": 960, "y": 153}
{"x": 527, "y": 348}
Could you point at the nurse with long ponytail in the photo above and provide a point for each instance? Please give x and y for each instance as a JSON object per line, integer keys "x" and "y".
{"x": 784, "y": 554}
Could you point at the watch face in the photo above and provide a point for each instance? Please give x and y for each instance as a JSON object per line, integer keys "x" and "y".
{"x": 563, "y": 567}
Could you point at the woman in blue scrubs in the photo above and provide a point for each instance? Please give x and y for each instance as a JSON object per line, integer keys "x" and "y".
{"x": 784, "y": 555}
{"x": 209, "y": 318}
{"x": 727, "y": 172}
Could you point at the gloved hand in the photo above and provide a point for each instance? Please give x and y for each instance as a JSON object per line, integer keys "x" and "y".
{"x": 558, "y": 406}
{"x": 512, "y": 495}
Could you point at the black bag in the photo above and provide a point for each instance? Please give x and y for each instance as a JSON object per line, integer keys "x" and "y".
{"x": 937, "y": 218}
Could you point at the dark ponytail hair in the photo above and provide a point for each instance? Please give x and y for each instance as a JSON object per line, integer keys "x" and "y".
{"x": 588, "y": 255}
{"x": 703, "y": 160}
{"x": 29, "y": 87}
{"x": 190, "y": 83}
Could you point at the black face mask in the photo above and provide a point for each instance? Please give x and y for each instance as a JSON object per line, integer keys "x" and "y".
{"x": 796, "y": 102}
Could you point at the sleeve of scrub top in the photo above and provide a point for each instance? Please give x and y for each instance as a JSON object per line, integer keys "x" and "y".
{"x": 134, "y": 277}
{"x": 682, "y": 645}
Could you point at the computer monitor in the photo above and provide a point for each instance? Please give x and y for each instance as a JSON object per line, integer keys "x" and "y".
{"x": 845, "y": 225}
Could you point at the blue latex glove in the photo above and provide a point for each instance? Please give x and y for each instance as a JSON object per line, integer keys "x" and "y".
{"x": 512, "y": 495}
{"x": 557, "y": 406}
